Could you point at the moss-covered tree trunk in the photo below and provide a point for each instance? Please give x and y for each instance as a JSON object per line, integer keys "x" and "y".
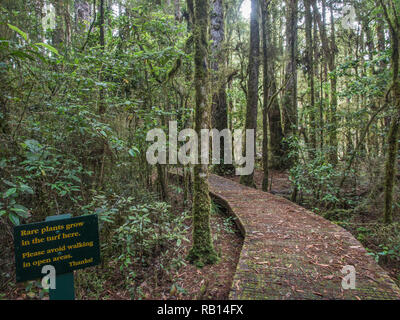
{"x": 252, "y": 87}
{"x": 58, "y": 36}
{"x": 202, "y": 252}
{"x": 393, "y": 137}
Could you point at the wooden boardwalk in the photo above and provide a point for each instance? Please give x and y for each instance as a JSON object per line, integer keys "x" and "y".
{"x": 291, "y": 253}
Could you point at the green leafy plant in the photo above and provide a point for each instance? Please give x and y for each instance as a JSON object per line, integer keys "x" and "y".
{"x": 9, "y": 200}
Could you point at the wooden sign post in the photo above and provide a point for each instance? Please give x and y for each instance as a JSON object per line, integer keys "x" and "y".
{"x": 62, "y": 242}
{"x": 65, "y": 289}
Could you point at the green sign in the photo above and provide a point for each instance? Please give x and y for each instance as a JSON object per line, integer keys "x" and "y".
{"x": 67, "y": 245}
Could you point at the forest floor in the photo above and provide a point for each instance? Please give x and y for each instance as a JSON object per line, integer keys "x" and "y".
{"x": 363, "y": 226}
{"x": 189, "y": 283}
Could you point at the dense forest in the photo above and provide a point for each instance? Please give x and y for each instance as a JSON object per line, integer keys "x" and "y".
{"x": 83, "y": 82}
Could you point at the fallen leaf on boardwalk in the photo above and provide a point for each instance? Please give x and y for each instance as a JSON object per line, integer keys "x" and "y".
{"x": 237, "y": 284}
{"x": 319, "y": 264}
{"x": 372, "y": 278}
{"x": 317, "y": 293}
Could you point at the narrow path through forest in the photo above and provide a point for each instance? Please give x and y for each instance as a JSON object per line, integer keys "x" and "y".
{"x": 291, "y": 253}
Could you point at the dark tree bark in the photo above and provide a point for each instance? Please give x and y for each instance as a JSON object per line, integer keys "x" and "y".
{"x": 274, "y": 113}
{"x": 290, "y": 96}
{"x": 218, "y": 66}
{"x": 252, "y": 87}
{"x": 4, "y": 115}
{"x": 190, "y": 14}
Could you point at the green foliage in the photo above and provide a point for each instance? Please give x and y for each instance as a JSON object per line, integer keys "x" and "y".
{"x": 59, "y": 155}
{"x": 314, "y": 178}
{"x": 151, "y": 236}
{"x": 386, "y": 253}
{"x": 150, "y": 228}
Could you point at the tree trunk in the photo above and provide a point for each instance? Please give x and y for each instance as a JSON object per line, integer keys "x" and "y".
{"x": 290, "y": 96}
{"x": 58, "y": 33}
{"x": 177, "y": 7}
{"x": 274, "y": 114}
{"x": 190, "y": 14}
{"x": 218, "y": 65}
{"x": 252, "y": 87}
{"x": 393, "y": 137}
{"x": 265, "y": 44}
{"x": 202, "y": 252}
{"x": 330, "y": 49}
{"x": 310, "y": 74}
{"x": 102, "y": 108}
{"x": 82, "y": 15}
{"x": 318, "y": 69}
{"x": 4, "y": 115}
{"x": 334, "y": 100}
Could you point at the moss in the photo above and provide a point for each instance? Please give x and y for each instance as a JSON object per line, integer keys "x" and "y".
{"x": 390, "y": 170}
{"x": 203, "y": 252}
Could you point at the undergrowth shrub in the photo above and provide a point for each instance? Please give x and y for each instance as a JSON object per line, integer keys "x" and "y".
{"x": 149, "y": 240}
